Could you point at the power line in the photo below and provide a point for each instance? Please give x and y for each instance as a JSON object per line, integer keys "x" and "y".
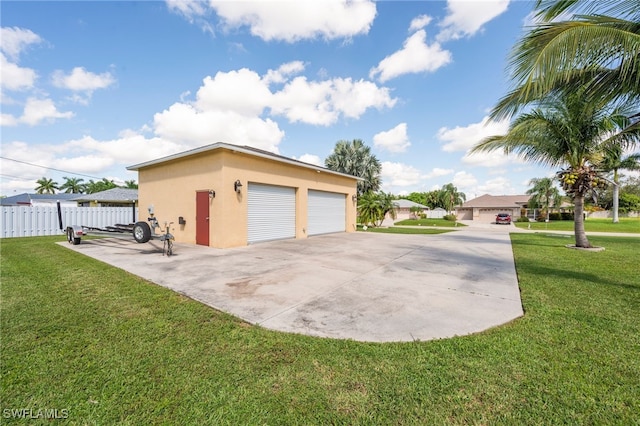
{"x": 16, "y": 177}
{"x": 49, "y": 168}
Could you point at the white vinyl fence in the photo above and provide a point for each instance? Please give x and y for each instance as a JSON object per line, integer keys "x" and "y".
{"x": 31, "y": 221}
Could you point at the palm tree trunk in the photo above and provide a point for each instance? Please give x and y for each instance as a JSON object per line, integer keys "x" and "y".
{"x": 615, "y": 203}
{"x": 578, "y": 220}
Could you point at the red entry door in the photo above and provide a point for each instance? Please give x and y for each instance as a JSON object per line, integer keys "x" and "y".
{"x": 202, "y": 218}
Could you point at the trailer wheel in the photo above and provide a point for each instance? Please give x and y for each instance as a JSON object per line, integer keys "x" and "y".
{"x": 141, "y": 232}
{"x": 72, "y": 238}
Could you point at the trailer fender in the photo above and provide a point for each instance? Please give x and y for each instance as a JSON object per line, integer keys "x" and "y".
{"x": 74, "y": 234}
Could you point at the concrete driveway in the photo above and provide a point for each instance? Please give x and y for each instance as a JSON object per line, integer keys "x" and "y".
{"x": 361, "y": 286}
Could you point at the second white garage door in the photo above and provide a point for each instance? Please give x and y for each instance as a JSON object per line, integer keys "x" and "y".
{"x": 326, "y": 212}
{"x": 271, "y": 212}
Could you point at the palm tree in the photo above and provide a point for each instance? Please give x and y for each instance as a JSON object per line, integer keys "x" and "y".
{"x": 598, "y": 51}
{"x": 355, "y": 158}
{"x": 72, "y": 185}
{"x": 569, "y": 130}
{"x": 130, "y": 184}
{"x": 374, "y": 206}
{"x": 614, "y": 161}
{"x": 46, "y": 186}
{"x": 99, "y": 186}
{"x": 450, "y": 197}
{"x": 544, "y": 193}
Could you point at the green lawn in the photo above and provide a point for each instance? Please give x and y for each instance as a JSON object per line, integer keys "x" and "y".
{"x": 112, "y": 348}
{"x": 397, "y": 230}
{"x": 631, "y": 225}
{"x": 429, "y": 222}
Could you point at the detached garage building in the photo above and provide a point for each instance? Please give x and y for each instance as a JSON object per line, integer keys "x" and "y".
{"x": 224, "y": 195}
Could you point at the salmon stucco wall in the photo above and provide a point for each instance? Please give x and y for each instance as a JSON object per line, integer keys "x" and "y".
{"x": 171, "y": 188}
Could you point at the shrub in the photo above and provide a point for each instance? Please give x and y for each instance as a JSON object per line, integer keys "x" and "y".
{"x": 555, "y": 216}
{"x": 566, "y": 215}
{"x": 522, "y": 219}
{"x": 450, "y": 217}
{"x": 423, "y": 215}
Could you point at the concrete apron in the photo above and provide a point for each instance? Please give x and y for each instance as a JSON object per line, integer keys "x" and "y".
{"x": 360, "y": 286}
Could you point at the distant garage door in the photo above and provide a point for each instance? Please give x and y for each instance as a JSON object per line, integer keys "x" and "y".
{"x": 325, "y": 212}
{"x": 271, "y": 213}
{"x": 489, "y": 215}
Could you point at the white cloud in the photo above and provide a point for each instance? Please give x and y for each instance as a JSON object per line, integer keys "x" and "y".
{"x": 14, "y": 77}
{"x": 394, "y": 140}
{"x": 488, "y": 159}
{"x": 242, "y": 91}
{"x": 311, "y": 159}
{"x": 416, "y": 56}
{"x": 466, "y": 17}
{"x": 283, "y": 72}
{"x": 37, "y": 110}
{"x": 186, "y": 123}
{"x": 322, "y": 103}
{"x": 419, "y": 22}
{"x": 497, "y": 186}
{"x": 81, "y": 80}
{"x": 399, "y": 174}
{"x": 8, "y": 120}
{"x": 15, "y": 40}
{"x": 438, "y": 172}
{"x": 291, "y": 21}
{"x": 187, "y": 8}
{"x": 463, "y": 138}
{"x": 464, "y": 181}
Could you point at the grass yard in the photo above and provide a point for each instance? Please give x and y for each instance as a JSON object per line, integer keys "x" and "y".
{"x": 630, "y": 225}
{"x": 429, "y": 222}
{"x": 398, "y": 230}
{"x": 109, "y": 347}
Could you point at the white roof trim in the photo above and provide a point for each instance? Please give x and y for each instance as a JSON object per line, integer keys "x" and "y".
{"x": 244, "y": 150}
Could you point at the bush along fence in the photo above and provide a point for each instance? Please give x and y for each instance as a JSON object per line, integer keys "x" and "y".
{"x": 31, "y": 221}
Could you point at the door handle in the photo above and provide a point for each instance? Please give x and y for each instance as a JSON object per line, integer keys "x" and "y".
{"x": 207, "y": 218}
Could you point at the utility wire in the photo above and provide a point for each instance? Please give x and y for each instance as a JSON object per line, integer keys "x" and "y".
{"x": 50, "y": 168}
{"x": 16, "y": 177}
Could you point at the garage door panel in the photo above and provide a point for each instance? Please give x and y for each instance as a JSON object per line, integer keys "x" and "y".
{"x": 326, "y": 212}
{"x": 271, "y": 212}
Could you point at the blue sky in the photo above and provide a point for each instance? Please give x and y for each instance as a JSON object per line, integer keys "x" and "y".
{"x": 93, "y": 87}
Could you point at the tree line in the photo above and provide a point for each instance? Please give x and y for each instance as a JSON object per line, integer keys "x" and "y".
{"x": 78, "y": 186}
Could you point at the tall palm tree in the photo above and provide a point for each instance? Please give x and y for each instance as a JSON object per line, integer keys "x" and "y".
{"x": 613, "y": 162}
{"x": 544, "y": 193}
{"x": 569, "y": 130}
{"x": 72, "y": 185}
{"x": 451, "y": 197}
{"x": 46, "y": 186}
{"x": 599, "y": 50}
{"x": 355, "y": 158}
{"x": 102, "y": 185}
{"x": 374, "y": 206}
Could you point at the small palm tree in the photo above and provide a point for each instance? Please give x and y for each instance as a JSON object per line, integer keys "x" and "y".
{"x": 355, "y": 158}
{"x": 613, "y": 162}
{"x": 72, "y": 185}
{"x": 569, "y": 130}
{"x": 451, "y": 197}
{"x": 544, "y": 193}
{"x": 130, "y": 184}
{"x": 373, "y": 207}
{"x": 46, "y": 186}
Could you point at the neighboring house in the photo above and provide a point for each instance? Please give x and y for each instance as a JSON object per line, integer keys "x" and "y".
{"x": 115, "y": 197}
{"x": 403, "y": 209}
{"x": 225, "y": 195}
{"x": 486, "y": 207}
{"x": 40, "y": 200}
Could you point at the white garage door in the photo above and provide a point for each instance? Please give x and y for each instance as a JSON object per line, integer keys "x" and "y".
{"x": 326, "y": 212}
{"x": 489, "y": 215}
{"x": 271, "y": 212}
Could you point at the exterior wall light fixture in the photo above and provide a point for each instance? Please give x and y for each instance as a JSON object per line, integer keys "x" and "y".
{"x": 354, "y": 197}
{"x": 212, "y": 193}
{"x": 237, "y": 186}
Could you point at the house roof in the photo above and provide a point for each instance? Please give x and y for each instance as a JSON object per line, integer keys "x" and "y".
{"x": 497, "y": 201}
{"x": 407, "y": 204}
{"x": 26, "y": 199}
{"x": 114, "y": 195}
{"x": 242, "y": 149}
